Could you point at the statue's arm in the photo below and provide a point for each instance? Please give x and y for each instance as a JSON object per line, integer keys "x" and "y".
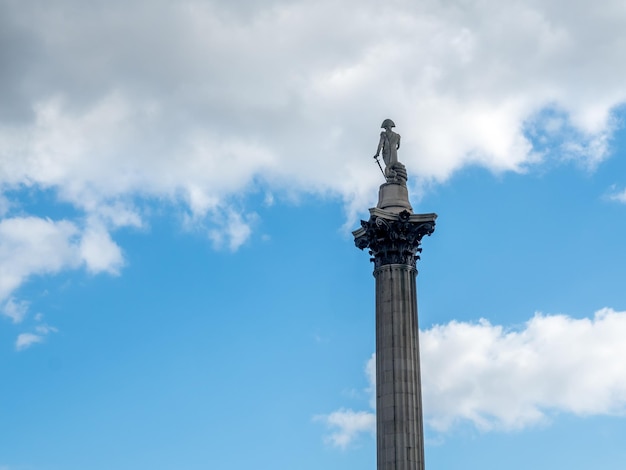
{"x": 398, "y": 142}
{"x": 380, "y": 144}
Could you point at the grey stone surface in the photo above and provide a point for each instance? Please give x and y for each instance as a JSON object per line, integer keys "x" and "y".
{"x": 393, "y": 236}
{"x": 394, "y": 197}
{"x": 388, "y": 144}
{"x": 399, "y": 435}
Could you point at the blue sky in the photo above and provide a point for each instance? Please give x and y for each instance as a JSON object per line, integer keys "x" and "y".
{"x": 179, "y": 287}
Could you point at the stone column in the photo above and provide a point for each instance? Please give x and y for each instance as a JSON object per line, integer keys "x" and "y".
{"x": 393, "y": 236}
{"x": 398, "y": 393}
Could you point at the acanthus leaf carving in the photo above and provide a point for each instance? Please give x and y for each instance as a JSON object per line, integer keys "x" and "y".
{"x": 393, "y": 240}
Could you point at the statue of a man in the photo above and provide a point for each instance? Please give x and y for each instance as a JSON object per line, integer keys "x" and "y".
{"x": 389, "y": 144}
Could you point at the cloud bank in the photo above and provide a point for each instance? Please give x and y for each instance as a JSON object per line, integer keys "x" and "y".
{"x": 499, "y": 379}
{"x": 114, "y": 106}
{"x": 198, "y": 101}
{"x": 32, "y": 245}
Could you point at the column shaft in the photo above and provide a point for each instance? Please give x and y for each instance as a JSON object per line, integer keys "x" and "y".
{"x": 399, "y": 427}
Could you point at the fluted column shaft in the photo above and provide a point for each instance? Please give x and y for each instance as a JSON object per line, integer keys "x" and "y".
{"x": 393, "y": 240}
{"x": 399, "y": 428}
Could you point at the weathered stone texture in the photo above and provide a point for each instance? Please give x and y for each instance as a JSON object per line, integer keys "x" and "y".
{"x": 398, "y": 388}
{"x": 393, "y": 240}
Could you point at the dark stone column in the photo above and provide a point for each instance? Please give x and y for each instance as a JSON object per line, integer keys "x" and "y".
{"x": 393, "y": 239}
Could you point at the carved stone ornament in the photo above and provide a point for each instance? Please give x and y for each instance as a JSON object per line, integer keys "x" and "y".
{"x": 394, "y": 238}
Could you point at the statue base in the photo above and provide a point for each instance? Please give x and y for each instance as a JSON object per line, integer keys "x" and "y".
{"x": 394, "y": 197}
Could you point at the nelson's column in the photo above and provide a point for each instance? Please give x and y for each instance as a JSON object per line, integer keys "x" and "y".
{"x": 393, "y": 235}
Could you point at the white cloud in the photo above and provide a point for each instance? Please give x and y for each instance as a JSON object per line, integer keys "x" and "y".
{"x": 499, "y": 379}
{"x": 347, "y": 425}
{"x": 370, "y": 373}
{"x": 34, "y": 246}
{"x": 98, "y": 251}
{"x": 290, "y": 95}
{"x": 30, "y": 245}
{"x": 232, "y": 229}
{"x": 26, "y": 340}
{"x": 45, "y": 329}
{"x": 618, "y": 196}
{"x": 15, "y": 309}
{"x": 281, "y": 98}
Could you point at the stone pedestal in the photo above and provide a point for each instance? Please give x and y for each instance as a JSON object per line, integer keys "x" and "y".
{"x": 393, "y": 238}
{"x": 394, "y": 197}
